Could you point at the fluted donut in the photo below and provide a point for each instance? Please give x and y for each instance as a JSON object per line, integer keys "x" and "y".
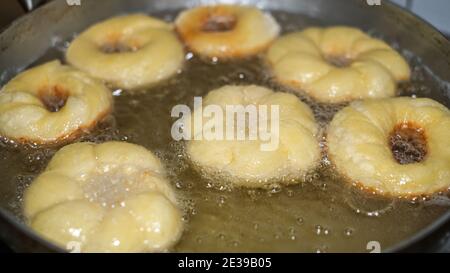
{"x": 243, "y": 162}
{"x": 225, "y": 31}
{"x": 110, "y": 197}
{"x": 395, "y": 146}
{"x": 50, "y": 103}
{"x": 129, "y": 52}
{"x": 337, "y": 64}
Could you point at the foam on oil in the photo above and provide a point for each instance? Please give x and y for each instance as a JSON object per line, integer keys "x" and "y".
{"x": 322, "y": 213}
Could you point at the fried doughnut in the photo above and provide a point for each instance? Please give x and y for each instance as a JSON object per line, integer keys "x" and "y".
{"x": 243, "y": 161}
{"x": 129, "y": 52}
{"x": 337, "y": 64}
{"x": 110, "y": 197}
{"x": 226, "y": 30}
{"x": 50, "y": 103}
{"x": 395, "y": 146}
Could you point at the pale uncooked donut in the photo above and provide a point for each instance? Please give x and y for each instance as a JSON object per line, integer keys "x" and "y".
{"x": 234, "y": 31}
{"x": 51, "y": 103}
{"x": 145, "y": 51}
{"x": 243, "y": 161}
{"x": 373, "y": 68}
{"x": 110, "y": 197}
{"x": 358, "y": 145}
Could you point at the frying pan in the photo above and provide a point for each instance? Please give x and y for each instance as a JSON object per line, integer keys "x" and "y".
{"x": 29, "y": 37}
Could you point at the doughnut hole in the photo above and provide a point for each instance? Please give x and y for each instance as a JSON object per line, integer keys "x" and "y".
{"x": 119, "y": 47}
{"x": 53, "y": 97}
{"x": 115, "y": 43}
{"x": 408, "y": 143}
{"x": 219, "y": 23}
{"x": 339, "y": 61}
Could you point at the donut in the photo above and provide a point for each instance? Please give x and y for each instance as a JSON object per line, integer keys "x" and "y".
{"x": 337, "y": 64}
{"x": 109, "y": 197}
{"x": 51, "y": 103}
{"x": 393, "y": 146}
{"x": 226, "y": 31}
{"x": 244, "y": 162}
{"x": 129, "y": 52}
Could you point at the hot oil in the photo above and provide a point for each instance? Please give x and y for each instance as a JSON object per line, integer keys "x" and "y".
{"x": 322, "y": 213}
